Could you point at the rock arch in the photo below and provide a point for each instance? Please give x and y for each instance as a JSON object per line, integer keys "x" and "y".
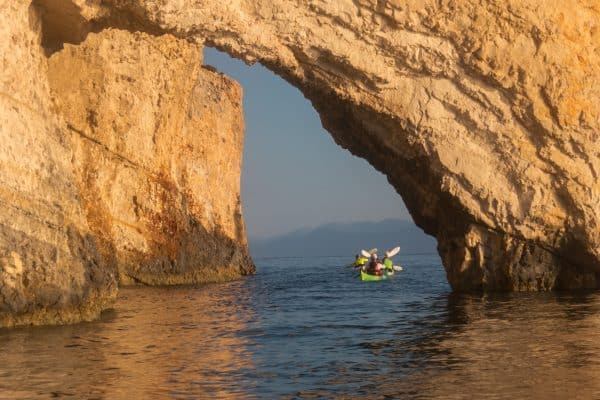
{"x": 483, "y": 116}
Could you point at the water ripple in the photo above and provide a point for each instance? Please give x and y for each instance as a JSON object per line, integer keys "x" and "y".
{"x": 311, "y": 329}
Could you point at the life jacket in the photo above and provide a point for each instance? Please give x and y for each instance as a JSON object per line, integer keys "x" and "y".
{"x": 371, "y": 267}
{"x": 360, "y": 261}
{"x": 374, "y": 268}
{"x": 389, "y": 264}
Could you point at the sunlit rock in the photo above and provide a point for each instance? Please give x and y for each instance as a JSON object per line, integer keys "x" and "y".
{"x": 121, "y": 162}
{"x": 484, "y": 117}
{"x": 157, "y": 154}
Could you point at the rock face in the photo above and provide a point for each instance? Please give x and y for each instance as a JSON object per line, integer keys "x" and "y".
{"x": 484, "y": 115}
{"x": 50, "y": 268}
{"x": 157, "y": 153}
{"x": 121, "y": 156}
{"x": 121, "y": 161}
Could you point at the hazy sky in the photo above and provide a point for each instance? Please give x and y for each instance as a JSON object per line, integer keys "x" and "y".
{"x": 294, "y": 175}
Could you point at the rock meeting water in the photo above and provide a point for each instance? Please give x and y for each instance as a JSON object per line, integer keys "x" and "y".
{"x": 308, "y": 328}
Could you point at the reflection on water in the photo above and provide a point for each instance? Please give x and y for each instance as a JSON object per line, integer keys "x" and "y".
{"x": 159, "y": 343}
{"x": 512, "y": 346}
{"x": 305, "y": 328}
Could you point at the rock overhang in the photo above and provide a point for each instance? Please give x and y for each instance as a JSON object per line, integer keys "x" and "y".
{"x": 469, "y": 110}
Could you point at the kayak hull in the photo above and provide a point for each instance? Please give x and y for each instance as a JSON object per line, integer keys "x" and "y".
{"x": 368, "y": 277}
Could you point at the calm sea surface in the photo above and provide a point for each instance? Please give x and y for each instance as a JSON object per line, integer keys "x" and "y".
{"x": 308, "y": 328}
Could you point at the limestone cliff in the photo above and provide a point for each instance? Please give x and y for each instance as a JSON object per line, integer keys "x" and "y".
{"x": 484, "y": 115}
{"x": 121, "y": 161}
{"x": 120, "y": 155}
{"x": 50, "y": 266}
{"x": 157, "y": 153}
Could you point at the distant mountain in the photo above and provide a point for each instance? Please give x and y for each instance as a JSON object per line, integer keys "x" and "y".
{"x": 340, "y": 239}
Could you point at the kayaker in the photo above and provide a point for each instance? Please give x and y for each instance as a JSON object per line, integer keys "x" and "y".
{"x": 360, "y": 261}
{"x": 388, "y": 263}
{"x": 374, "y": 267}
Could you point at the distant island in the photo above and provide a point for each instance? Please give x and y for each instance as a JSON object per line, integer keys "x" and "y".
{"x": 340, "y": 239}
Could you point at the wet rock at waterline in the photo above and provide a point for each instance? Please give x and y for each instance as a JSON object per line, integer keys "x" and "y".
{"x": 484, "y": 117}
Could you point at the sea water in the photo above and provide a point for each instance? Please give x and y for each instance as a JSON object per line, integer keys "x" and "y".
{"x": 309, "y": 328}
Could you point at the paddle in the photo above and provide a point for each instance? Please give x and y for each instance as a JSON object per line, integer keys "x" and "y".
{"x": 391, "y": 253}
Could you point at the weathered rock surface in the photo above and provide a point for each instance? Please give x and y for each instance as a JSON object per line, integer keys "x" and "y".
{"x": 484, "y": 115}
{"x": 157, "y": 154}
{"x": 120, "y": 161}
{"x": 50, "y": 268}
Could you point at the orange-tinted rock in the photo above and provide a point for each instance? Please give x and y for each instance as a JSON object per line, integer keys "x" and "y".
{"x": 485, "y": 116}
{"x": 158, "y": 149}
{"x": 121, "y": 161}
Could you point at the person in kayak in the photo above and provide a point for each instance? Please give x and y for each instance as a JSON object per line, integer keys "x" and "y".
{"x": 360, "y": 261}
{"x": 374, "y": 267}
{"x": 388, "y": 263}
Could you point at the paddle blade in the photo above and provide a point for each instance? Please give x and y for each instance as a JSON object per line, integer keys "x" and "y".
{"x": 373, "y": 251}
{"x": 397, "y": 268}
{"x": 392, "y": 252}
{"x": 365, "y": 253}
